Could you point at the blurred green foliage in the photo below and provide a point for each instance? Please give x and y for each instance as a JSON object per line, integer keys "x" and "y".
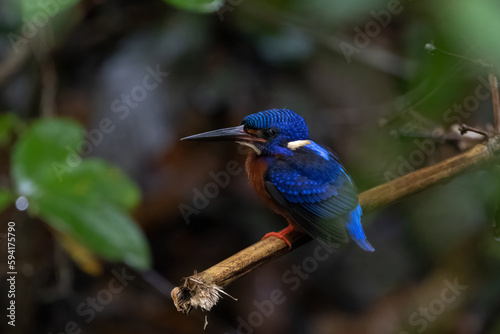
{"x": 87, "y": 199}
{"x": 35, "y": 10}
{"x": 474, "y": 26}
{"x": 199, "y": 6}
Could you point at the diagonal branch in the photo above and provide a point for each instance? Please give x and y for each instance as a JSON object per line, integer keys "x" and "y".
{"x": 222, "y": 274}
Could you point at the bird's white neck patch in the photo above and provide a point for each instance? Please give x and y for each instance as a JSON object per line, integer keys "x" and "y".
{"x": 293, "y": 145}
{"x": 244, "y": 143}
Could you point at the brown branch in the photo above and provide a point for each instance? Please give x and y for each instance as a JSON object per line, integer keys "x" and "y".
{"x": 495, "y": 99}
{"x": 222, "y": 274}
{"x": 402, "y": 187}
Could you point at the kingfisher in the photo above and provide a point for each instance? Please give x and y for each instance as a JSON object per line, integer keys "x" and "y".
{"x": 297, "y": 178}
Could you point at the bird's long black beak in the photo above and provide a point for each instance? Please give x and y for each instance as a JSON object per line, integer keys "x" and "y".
{"x": 236, "y": 133}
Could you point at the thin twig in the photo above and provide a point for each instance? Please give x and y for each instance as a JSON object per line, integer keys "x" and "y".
{"x": 430, "y": 47}
{"x": 48, "y": 88}
{"x": 249, "y": 259}
{"x": 41, "y": 47}
{"x": 495, "y": 100}
{"x": 465, "y": 128}
{"x": 492, "y": 78}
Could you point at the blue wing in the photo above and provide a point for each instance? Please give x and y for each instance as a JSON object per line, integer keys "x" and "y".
{"x": 318, "y": 194}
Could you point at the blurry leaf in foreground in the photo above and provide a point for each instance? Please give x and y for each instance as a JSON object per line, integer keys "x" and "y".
{"x": 6, "y": 198}
{"x": 199, "y": 6}
{"x": 87, "y": 199}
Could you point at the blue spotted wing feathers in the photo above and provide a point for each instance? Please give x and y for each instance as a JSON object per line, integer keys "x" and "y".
{"x": 318, "y": 194}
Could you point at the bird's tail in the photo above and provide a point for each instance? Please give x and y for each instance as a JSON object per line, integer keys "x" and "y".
{"x": 353, "y": 225}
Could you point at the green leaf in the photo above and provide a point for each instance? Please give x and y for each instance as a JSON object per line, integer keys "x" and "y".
{"x": 95, "y": 176}
{"x": 102, "y": 227}
{"x": 6, "y": 198}
{"x": 199, "y": 6}
{"x": 45, "y": 146}
{"x": 35, "y": 12}
{"x": 87, "y": 199}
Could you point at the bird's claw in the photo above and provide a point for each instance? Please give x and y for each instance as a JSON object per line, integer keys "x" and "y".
{"x": 281, "y": 235}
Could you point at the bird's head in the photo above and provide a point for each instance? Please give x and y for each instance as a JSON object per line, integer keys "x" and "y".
{"x": 269, "y": 132}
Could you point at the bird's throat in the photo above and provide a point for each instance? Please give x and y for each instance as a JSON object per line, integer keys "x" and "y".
{"x": 252, "y": 146}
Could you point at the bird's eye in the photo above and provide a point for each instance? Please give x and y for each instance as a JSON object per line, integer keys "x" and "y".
{"x": 268, "y": 133}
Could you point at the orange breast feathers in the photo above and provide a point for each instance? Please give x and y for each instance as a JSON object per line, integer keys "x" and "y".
{"x": 256, "y": 167}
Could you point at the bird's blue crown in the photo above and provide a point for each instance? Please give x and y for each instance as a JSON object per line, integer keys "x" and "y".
{"x": 288, "y": 123}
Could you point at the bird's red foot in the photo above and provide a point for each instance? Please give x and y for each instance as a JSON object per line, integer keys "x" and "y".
{"x": 281, "y": 235}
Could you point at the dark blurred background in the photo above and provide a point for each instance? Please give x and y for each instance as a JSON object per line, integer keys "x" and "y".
{"x": 361, "y": 75}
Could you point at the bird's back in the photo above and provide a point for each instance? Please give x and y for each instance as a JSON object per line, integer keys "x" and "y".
{"x": 312, "y": 191}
